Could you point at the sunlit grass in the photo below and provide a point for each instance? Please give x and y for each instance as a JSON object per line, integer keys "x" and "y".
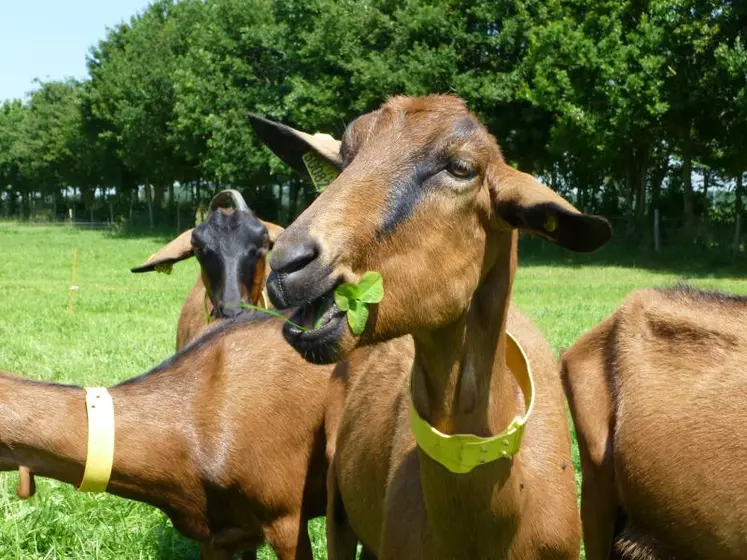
{"x": 125, "y": 323}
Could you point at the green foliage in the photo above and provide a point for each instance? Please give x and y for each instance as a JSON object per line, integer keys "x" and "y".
{"x": 616, "y": 104}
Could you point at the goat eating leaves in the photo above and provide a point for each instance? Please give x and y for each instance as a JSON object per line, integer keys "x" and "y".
{"x": 425, "y": 198}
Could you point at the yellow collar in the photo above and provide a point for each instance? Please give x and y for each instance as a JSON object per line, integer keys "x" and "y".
{"x": 100, "y": 454}
{"x": 460, "y": 453}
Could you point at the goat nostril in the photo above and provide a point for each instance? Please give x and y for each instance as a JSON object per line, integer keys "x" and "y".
{"x": 226, "y": 310}
{"x": 294, "y": 257}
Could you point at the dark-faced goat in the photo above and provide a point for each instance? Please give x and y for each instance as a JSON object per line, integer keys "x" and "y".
{"x": 231, "y": 246}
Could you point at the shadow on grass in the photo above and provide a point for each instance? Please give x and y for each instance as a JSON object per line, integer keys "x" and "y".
{"x": 694, "y": 261}
{"x": 172, "y": 545}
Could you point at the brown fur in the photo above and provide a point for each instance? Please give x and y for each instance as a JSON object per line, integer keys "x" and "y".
{"x": 448, "y": 266}
{"x": 659, "y": 398}
{"x": 202, "y": 437}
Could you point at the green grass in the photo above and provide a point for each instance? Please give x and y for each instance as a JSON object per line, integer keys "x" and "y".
{"x": 125, "y": 323}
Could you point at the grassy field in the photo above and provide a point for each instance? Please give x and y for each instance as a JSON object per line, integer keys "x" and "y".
{"x": 124, "y": 324}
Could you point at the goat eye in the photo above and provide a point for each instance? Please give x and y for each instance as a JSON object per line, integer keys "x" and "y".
{"x": 461, "y": 169}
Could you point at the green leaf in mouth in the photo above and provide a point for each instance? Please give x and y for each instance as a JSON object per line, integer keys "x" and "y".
{"x": 371, "y": 287}
{"x": 354, "y": 299}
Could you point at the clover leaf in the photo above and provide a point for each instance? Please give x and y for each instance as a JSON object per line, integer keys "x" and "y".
{"x": 371, "y": 287}
{"x": 354, "y": 299}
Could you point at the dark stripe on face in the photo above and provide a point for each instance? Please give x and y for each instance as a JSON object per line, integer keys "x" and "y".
{"x": 408, "y": 190}
{"x": 406, "y": 193}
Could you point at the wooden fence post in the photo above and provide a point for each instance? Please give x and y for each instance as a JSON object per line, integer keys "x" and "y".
{"x": 737, "y": 236}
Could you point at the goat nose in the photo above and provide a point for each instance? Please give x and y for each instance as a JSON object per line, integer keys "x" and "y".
{"x": 227, "y": 310}
{"x": 293, "y": 256}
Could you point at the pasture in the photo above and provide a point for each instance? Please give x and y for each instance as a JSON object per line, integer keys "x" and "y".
{"x": 123, "y": 324}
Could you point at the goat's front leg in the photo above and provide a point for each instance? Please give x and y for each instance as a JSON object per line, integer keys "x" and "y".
{"x": 289, "y": 538}
{"x": 590, "y": 396}
{"x": 342, "y": 543}
{"x": 598, "y": 505}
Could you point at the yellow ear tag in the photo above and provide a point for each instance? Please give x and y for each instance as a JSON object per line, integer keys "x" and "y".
{"x": 551, "y": 223}
{"x": 164, "y": 268}
{"x": 322, "y": 173}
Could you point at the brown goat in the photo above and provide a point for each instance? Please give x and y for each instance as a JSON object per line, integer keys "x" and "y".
{"x": 225, "y": 437}
{"x": 231, "y": 246}
{"x": 425, "y": 198}
{"x": 658, "y": 393}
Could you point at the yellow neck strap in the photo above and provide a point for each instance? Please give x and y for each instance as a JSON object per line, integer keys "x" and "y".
{"x": 100, "y": 454}
{"x": 460, "y": 453}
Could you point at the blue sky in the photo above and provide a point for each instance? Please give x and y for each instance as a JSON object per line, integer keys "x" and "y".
{"x": 49, "y": 39}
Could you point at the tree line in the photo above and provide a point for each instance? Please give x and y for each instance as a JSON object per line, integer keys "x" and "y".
{"x": 625, "y": 107}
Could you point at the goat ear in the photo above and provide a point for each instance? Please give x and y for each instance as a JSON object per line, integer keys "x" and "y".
{"x": 258, "y": 283}
{"x": 174, "y": 251}
{"x": 527, "y": 204}
{"x": 291, "y": 145}
{"x": 273, "y": 231}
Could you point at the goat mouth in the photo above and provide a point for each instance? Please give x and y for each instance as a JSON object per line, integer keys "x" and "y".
{"x": 315, "y": 329}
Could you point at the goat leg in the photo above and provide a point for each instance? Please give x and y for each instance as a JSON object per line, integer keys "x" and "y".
{"x": 586, "y": 384}
{"x": 342, "y": 542}
{"x": 598, "y": 508}
{"x": 289, "y": 538}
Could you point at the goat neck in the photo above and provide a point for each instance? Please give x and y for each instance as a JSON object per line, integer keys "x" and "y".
{"x": 44, "y": 427}
{"x": 460, "y": 382}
